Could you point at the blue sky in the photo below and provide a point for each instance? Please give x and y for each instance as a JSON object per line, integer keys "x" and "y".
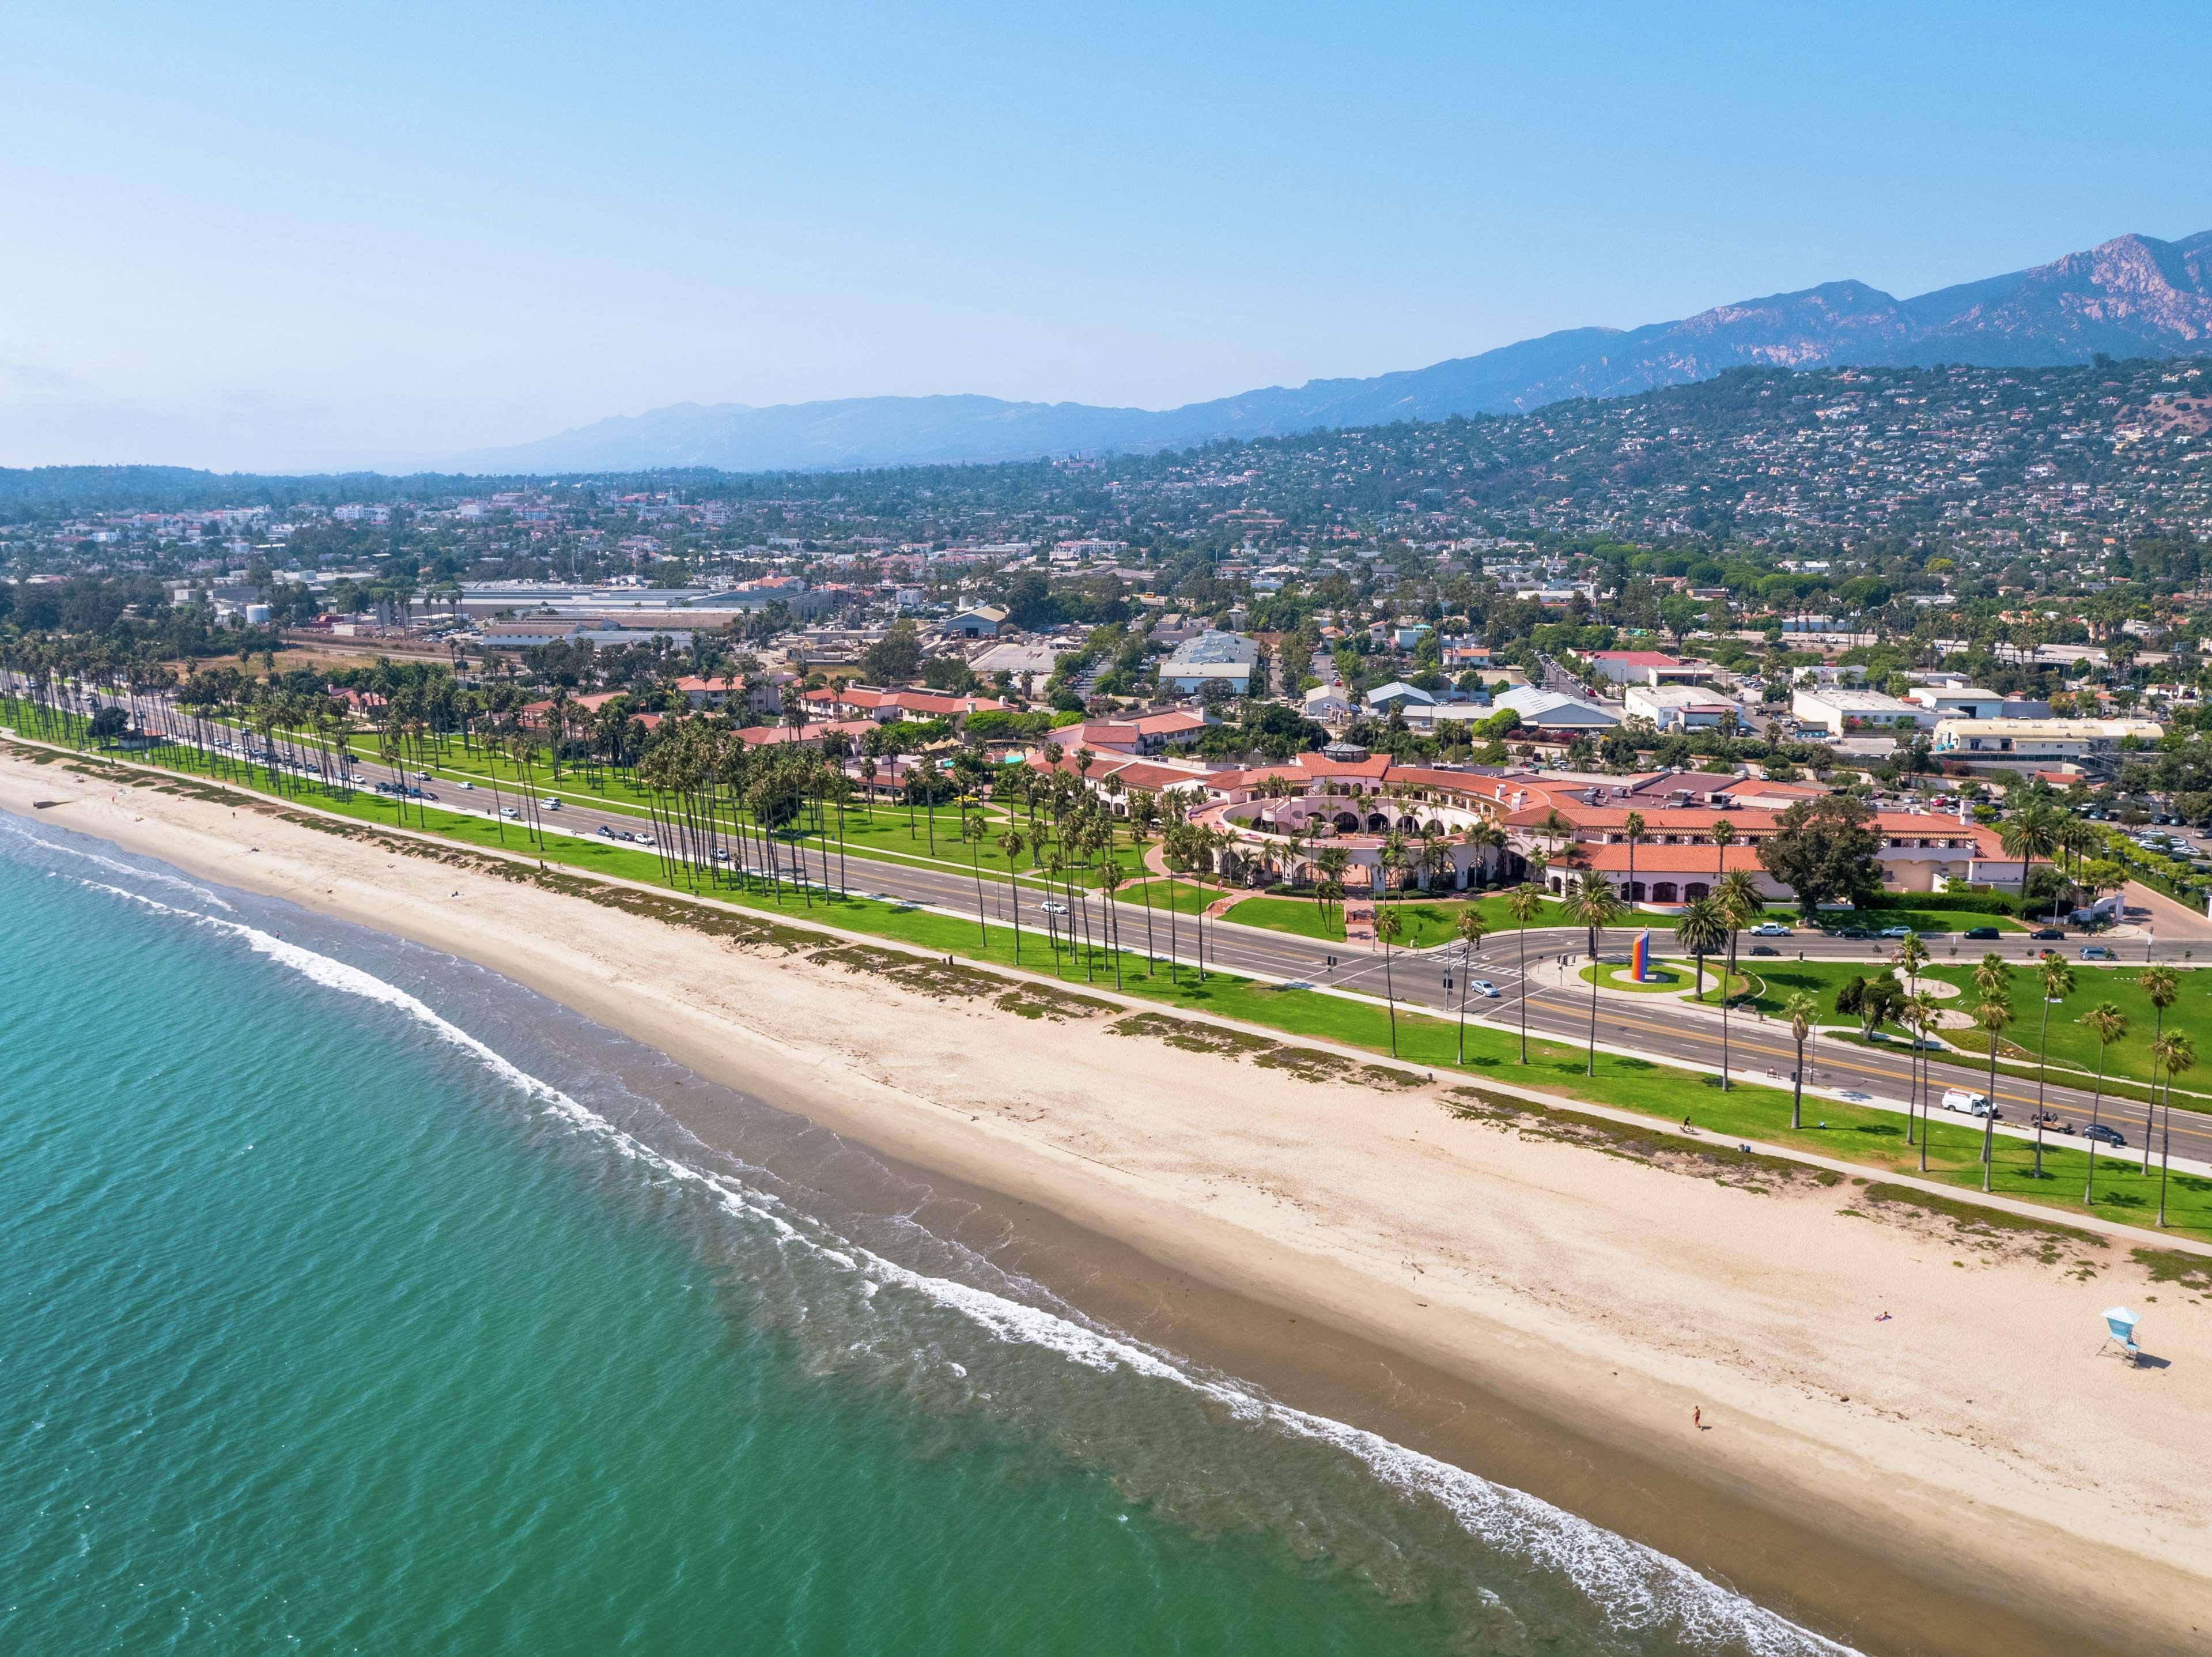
{"x": 245, "y": 235}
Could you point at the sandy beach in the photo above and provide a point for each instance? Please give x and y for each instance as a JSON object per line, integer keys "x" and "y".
{"x": 1973, "y": 1440}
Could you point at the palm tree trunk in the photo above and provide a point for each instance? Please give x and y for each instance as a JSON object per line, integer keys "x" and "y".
{"x": 2042, "y": 1070}
{"x": 1524, "y": 993}
{"x": 2165, "y": 1149}
{"x": 1990, "y": 1122}
{"x": 1728, "y": 981}
{"x": 1465, "y": 967}
{"x": 2096, "y": 1111}
{"x": 1390, "y": 994}
{"x": 2150, "y": 1109}
{"x": 1591, "y": 1069}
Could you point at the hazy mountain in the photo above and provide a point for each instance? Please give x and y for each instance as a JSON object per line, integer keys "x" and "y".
{"x": 2133, "y": 296}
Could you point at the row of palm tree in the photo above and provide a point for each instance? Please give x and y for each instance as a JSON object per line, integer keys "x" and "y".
{"x": 1993, "y": 1013}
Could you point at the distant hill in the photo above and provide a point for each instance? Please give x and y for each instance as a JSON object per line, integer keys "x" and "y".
{"x": 2131, "y": 297}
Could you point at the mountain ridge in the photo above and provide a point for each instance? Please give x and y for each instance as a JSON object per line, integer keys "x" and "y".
{"x": 2134, "y": 295}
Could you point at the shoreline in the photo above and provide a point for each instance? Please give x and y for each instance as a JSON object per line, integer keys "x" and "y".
{"x": 1267, "y": 1210}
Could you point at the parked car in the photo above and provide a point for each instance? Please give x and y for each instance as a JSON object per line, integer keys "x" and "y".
{"x": 1481, "y": 987}
{"x": 2047, "y": 935}
{"x": 606, "y": 833}
{"x": 510, "y": 813}
{"x": 1764, "y": 949}
{"x": 1895, "y": 932}
{"x": 1772, "y": 929}
{"x": 1971, "y": 1104}
{"x": 2104, "y": 1136}
{"x": 1980, "y": 932}
{"x": 2097, "y": 952}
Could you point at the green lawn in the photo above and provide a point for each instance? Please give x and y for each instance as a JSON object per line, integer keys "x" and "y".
{"x": 895, "y": 833}
{"x": 1871, "y": 1137}
{"x": 2070, "y": 1043}
{"x": 1670, "y": 979}
{"x": 1183, "y": 896}
{"x": 1428, "y": 921}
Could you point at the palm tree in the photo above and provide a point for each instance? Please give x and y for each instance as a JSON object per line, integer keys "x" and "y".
{"x": 1110, "y": 880}
{"x": 2058, "y": 980}
{"x": 1334, "y": 862}
{"x": 1923, "y": 1017}
{"x": 2108, "y": 1024}
{"x": 1436, "y": 860}
{"x": 1632, "y": 826}
{"x": 1389, "y": 925}
{"x": 2180, "y": 1055}
{"x": 1913, "y": 959}
{"x": 2162, "y": 987}
{"x": 1739, "y": 903}
{"x": 1994, "y": 1016}
{"x": 973, "y": 829}
{"x": 1470, "y": 927}
{"x": 1392, "y": 858}
{"x": 1701, "y": 930}
{"x": 1723, "y": 834}
{"x": 2027, "y": 834}
{"x": 1594, "y": 905}
{"x": 1012, "y": 843}
{"x": 1800, "y": 1009}
{"x": 1524, "y": 903}
{"x": 1555, "y": 831}
{"x": 2076, "y": 837}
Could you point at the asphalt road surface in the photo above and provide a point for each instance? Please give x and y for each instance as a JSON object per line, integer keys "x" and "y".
{"x": 1557, "y": 1001}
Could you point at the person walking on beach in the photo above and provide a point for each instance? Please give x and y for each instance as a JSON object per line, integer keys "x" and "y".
{"x": 1697, "y": 1416}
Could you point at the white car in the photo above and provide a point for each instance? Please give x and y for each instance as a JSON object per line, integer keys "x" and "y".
{"x": 468, "y": 785}
{"x": 1481, "y": 987}
{"x": 550, "y": 804}
{"x": 1971, "y": 1104}
{"x": 1772, "y": 929}
{"x": 1053, "y": 906}
{"x": 510, "y": 813}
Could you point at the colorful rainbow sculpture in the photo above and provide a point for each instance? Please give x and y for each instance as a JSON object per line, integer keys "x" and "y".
{"x": 1640, "y": 962}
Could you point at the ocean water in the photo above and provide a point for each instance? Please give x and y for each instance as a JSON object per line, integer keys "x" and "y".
{"x": 354, "y": 1299}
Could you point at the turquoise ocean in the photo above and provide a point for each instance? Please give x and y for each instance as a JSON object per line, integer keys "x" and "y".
{"x": 353, "y": 1298}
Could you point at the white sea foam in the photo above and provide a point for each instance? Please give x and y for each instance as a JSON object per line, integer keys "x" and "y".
{"x": 176, "y": 882}
{"x": 1633, "y": 1586}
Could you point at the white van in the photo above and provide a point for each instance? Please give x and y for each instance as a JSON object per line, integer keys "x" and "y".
{"x": 1957, "y": 1099}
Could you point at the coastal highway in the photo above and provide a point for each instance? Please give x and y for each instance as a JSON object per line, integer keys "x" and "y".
{"x": 1557, "y": 1001}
